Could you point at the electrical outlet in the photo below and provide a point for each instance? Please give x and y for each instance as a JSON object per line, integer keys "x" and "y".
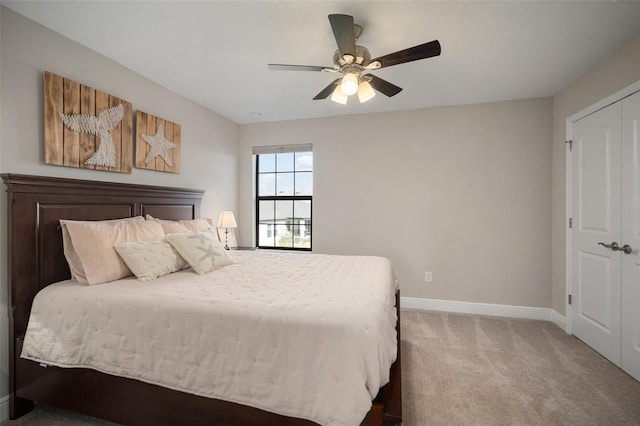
{"x": 428, "y": 277}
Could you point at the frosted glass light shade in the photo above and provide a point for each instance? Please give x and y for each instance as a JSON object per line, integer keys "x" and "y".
{"x": 365, "y": 92}
{"x": 338, "y": 96}
{"x": 349, "y": 84}
{"x": 226, "y": 220}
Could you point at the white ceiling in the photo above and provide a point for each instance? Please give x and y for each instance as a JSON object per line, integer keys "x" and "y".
{"x": 216, "y": 53}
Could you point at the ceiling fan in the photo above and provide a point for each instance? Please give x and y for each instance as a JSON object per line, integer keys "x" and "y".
{"x": 353, "y": 61}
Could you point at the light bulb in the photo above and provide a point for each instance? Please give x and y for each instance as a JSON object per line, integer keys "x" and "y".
{"x": 365, "y": 92}
{"x": 338, "y": 96}
{"x": 349, "y": 84}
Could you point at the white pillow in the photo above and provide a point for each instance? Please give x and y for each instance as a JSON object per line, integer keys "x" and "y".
{"x": 149, "y": 260}
{"x": 201, "y": 250}
{"x": 95, "y": 245}
{"x": 75, "y": 266}
{"x": 183, "y": 226}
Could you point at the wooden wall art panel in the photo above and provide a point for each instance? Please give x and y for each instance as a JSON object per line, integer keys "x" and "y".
{"x": 84, "y": 127}
{"x": 157, "y": 143}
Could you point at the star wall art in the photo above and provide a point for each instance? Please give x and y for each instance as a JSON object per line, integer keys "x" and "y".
{"x": 84, "y": 127}
{"x": 157, "y": 143}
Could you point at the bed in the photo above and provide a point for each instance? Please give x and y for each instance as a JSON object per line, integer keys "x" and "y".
{"x": 36, "y": 260}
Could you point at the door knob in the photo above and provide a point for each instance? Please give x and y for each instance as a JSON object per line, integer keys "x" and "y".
{"x": 626, "y": 249}
{"x": 613, "y": 246}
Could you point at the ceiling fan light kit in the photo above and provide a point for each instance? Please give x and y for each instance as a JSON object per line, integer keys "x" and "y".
{"x": 353, "y": 61}
{"x": 349, "y": 84}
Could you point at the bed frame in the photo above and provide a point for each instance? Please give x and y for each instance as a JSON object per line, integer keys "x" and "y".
{"x": 36, "y": 259}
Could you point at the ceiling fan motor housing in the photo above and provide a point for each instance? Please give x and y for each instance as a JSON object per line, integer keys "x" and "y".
{"x": 363, "y": 57}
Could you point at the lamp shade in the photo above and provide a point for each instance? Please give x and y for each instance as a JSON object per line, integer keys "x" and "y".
{"x": 365, "y": 92}
{"x": 338, "y": 96}
{"x": 349, "y": 84}
{"x": 226, "y": 220}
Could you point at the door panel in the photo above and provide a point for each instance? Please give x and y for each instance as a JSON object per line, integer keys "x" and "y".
{"x": 631, "y": 235}
{"x": 595, "y": 272}
{"x": 595, "y": 180}
{"x": 595, "y": 290}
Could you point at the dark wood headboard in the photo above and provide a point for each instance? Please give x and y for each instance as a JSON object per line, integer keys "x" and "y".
{"x": 35, "y": 204}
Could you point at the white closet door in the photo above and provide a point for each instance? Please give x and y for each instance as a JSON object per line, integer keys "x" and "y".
{"x": 595, "y": 198}
{"x": 631, "y": 235}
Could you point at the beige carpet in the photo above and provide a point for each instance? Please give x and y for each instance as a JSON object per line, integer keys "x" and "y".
{"x": 476, "y": 370}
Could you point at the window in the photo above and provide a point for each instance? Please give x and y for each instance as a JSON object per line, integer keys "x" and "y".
{"x": 284, "y": 182}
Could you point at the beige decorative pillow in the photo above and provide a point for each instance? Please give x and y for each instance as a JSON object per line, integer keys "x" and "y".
{"x": 183, "y": 226}
{"x": 149, "y": 260}
{"x": 95, "y": 245}
{"x": 202, "y": 250}
{"x": 75, "y": 266}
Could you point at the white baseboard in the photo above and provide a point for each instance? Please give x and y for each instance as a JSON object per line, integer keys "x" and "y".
{"x": 4, "y": 408}
{"x": 525, "y": 312}
{"x": 559, "y": 319}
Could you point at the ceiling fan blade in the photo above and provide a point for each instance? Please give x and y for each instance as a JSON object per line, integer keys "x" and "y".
{"x": 415, "y": 53}
{"x": 284, "y": 67}
{"x": 327, "y": 90}
{"x": 345, "y": 34}
{"x": 383, "y": 86}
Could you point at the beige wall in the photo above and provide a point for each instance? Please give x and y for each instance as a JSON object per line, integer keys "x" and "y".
{"x": 209, "y": 141}
{"x": 618, "y": 71}
{"x": 461, "y": 191}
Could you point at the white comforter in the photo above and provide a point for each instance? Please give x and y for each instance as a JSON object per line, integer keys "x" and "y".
{"x": 303, "y": 335}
